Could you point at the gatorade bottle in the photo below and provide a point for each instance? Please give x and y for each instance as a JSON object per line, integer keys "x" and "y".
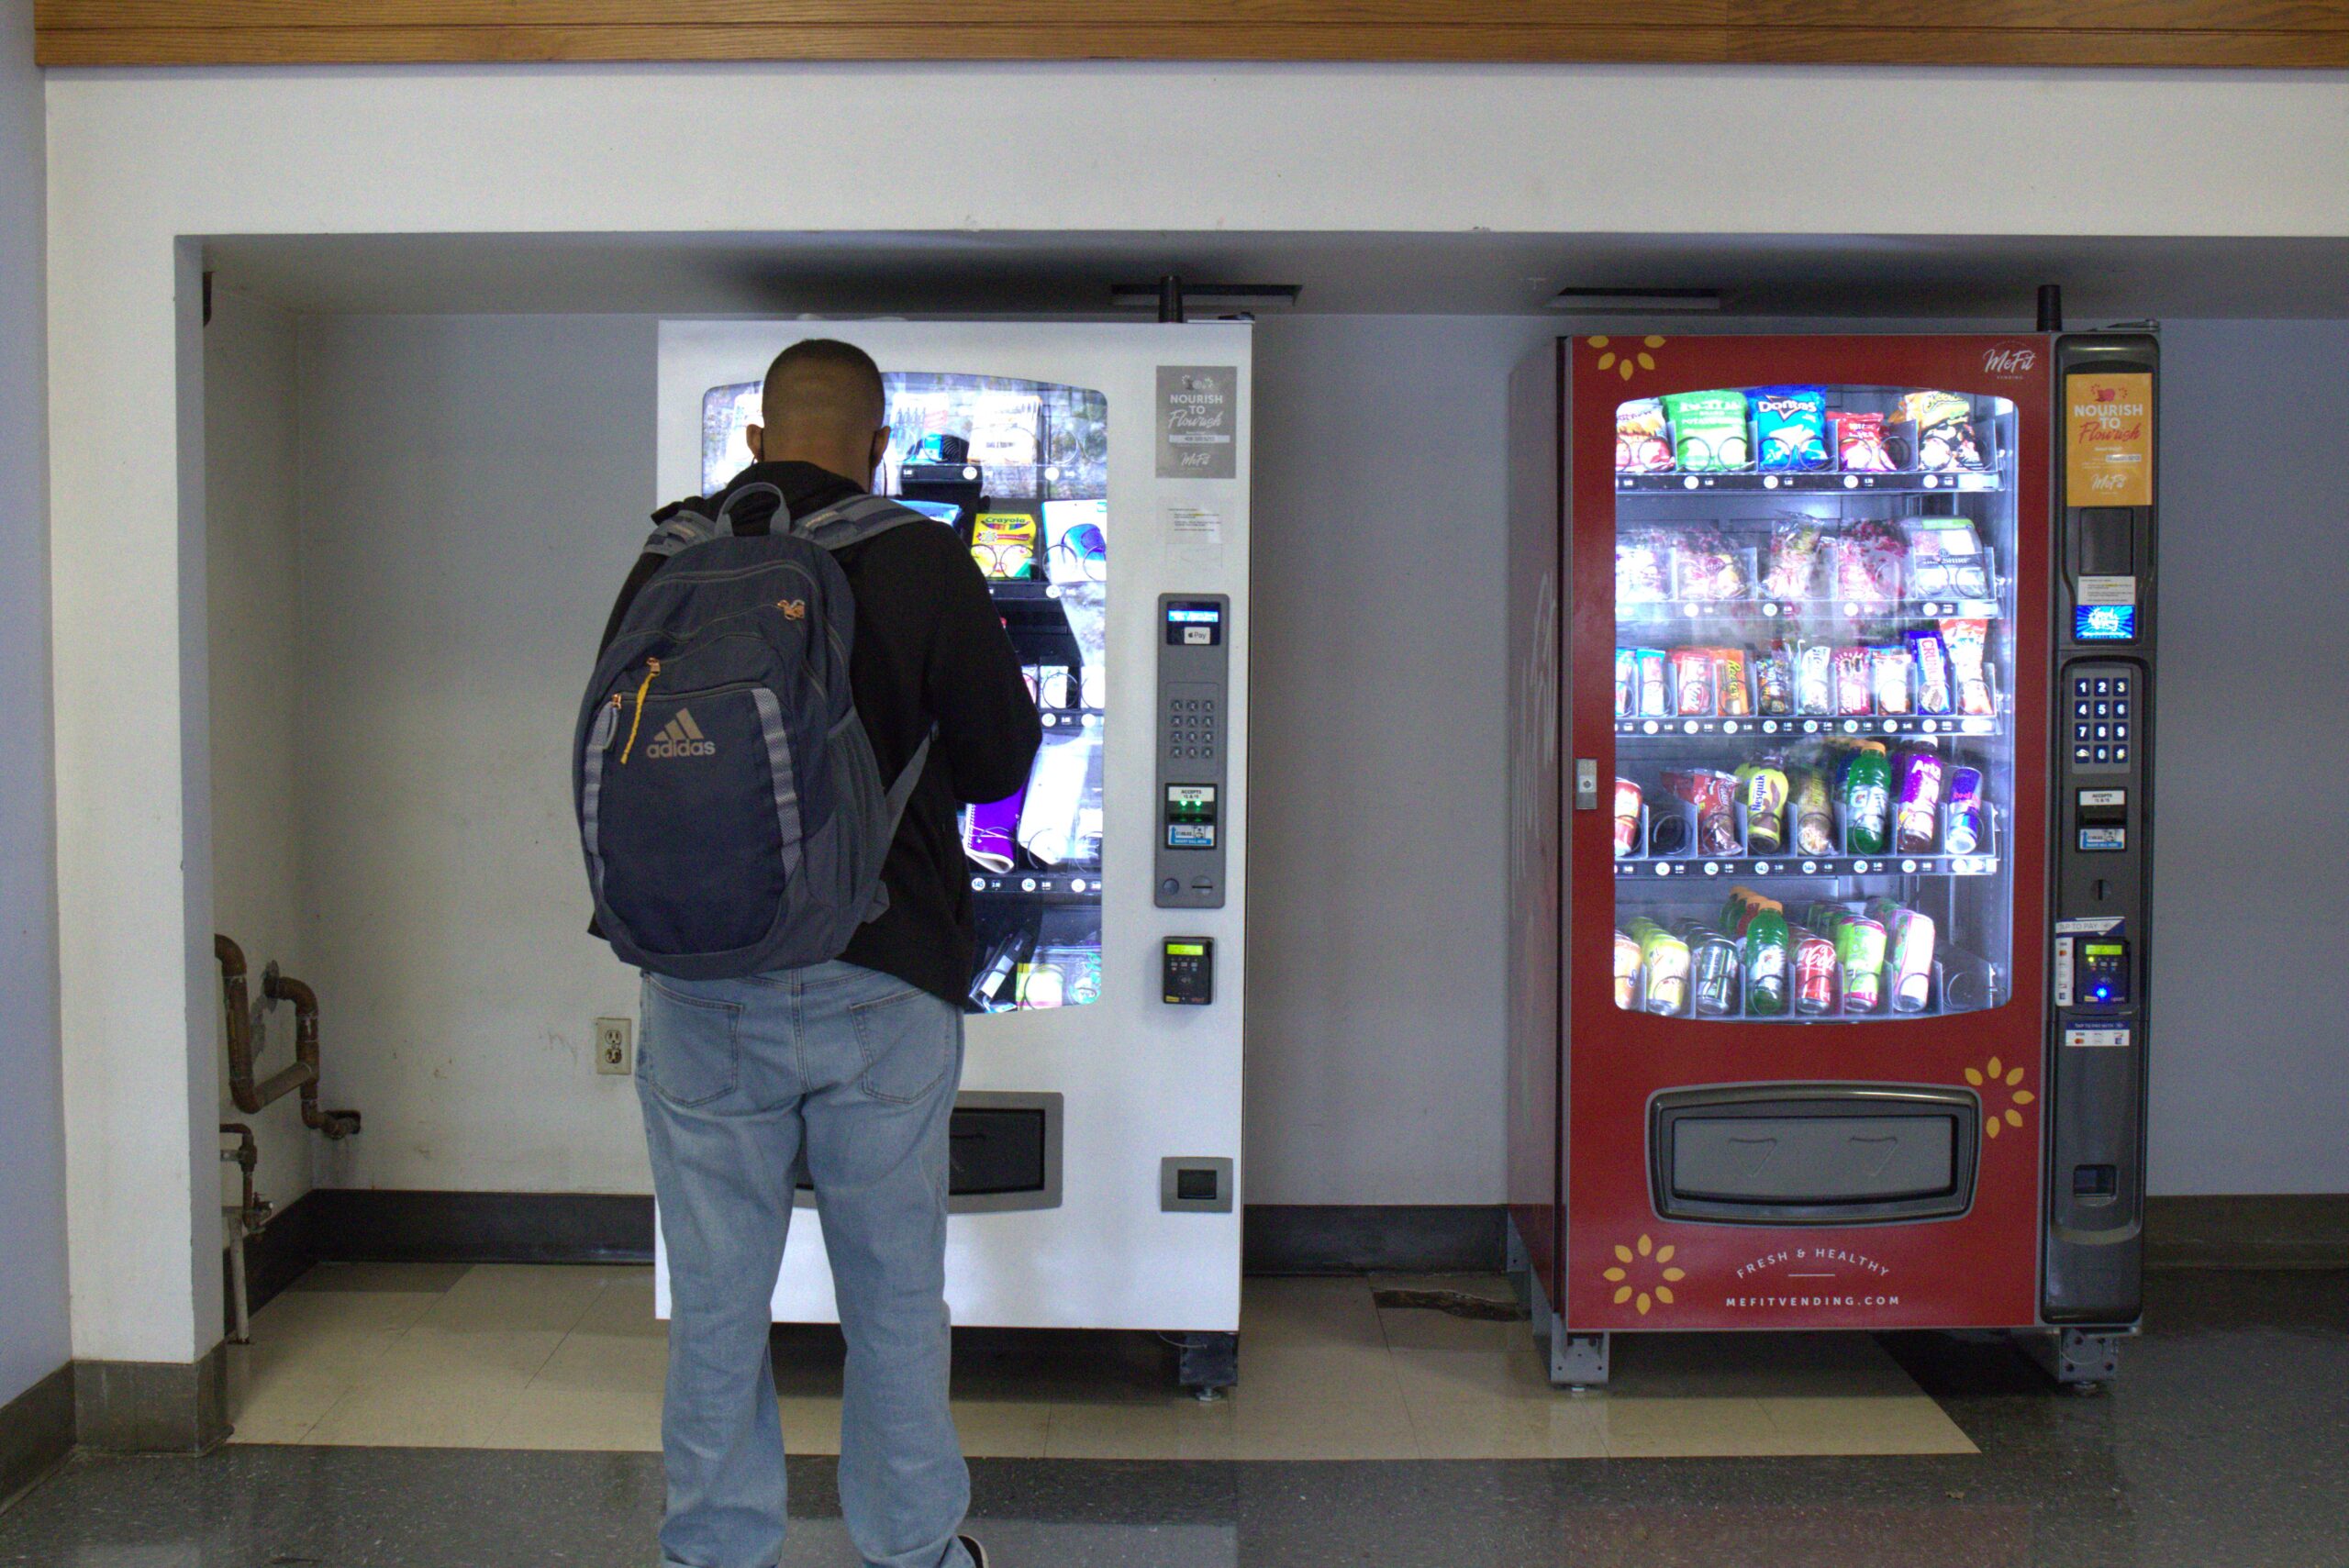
{"x": 1867, "y": 801}
{"x": 1767, "y": 942}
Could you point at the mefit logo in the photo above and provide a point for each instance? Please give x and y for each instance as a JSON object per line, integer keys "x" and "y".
{"x": 2009, "y": 360}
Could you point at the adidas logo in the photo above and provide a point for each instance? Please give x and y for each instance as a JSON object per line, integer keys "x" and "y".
{"x": 681, "y": 736}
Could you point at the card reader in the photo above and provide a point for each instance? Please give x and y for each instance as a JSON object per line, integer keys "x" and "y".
{"x": 1186, "y": 971}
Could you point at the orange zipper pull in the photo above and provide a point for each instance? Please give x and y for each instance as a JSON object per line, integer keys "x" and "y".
{"x": 651, "y": 668}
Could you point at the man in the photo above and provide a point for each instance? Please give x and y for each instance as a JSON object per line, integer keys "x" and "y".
{"x": 849, "y": 1067}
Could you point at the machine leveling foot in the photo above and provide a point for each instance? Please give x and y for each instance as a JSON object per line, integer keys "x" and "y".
{"x": 2081, "y": 1358}
{"x": 1577, "y": 1362}
{"x": 1209, "y": 1364}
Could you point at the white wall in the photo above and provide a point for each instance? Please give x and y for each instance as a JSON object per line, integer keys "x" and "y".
{"x": 32, "y": 1185}
{"x": 472, "y": 491}
{"x": 2250, "y": 1059}
{"x": 258, "y": 756}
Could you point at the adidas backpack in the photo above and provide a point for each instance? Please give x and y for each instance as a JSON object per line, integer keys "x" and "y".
{"x": 729, "y": 806}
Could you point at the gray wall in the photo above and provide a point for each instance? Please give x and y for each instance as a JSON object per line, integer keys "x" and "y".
{"x": 33, "y": 1337}
{"x": 2250, "y": 1058}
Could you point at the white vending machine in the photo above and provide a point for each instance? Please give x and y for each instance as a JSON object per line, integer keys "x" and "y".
{"x": 1099, "y": 475}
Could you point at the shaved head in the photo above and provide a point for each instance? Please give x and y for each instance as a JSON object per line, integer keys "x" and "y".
{"x": 823, "y": 404}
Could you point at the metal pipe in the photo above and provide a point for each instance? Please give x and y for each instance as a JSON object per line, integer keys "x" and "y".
{"x": 251, "y": 1097}
{"x": 286, "y": 988}
{"x": 243, "y": 1221}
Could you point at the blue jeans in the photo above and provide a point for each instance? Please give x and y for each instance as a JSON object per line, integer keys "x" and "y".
{"x": 852, "y": 1073}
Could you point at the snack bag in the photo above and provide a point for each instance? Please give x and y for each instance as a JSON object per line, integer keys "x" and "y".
{"x": 1932, "y": 661}
{"x": 1654, "y": 700}
{"x": 1627, "y": 682}
{"x": 1964, "y": 640}
{"x": 1854, "y": 686}
{"x": 1728, "y": 683}
{"x": 1946, "y": 441}
{"x": 1793, "y": 558}
{"x": 1708, "y": 430}
{"x": 1642, "y": 444}
{"x": 1774, "y": 681}
{"x": 1692, "y": 678}
{"x": 1790, "y": 429}
{"x": 1867, "y": 559}
{"x": 1861, "y": 445}
{"x": 1814, "y": 812}
{"x": 1706, "y": 568}
{"x": 1815, "y": 679}
{"x": 1890, "y": 666}
{"x": 1642, "y": 566}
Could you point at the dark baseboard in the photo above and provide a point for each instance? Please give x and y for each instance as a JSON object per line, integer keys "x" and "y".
{"x": 372, "y": 1226}
{"x": 36, "y": 1431}
{"x": 1352, "y": 1238}
{"x": 2266, "y": 1230}
{"x": 152, "y": 1406}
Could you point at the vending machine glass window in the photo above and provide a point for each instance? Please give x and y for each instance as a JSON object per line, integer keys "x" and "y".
{"x": 1814, "y": 631}
{"x": 1020, "y": 470}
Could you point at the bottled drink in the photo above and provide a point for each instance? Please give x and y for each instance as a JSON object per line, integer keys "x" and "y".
{"x": 1814, "y": 814}
{"x": 1867, "y": 801}
{"x": 1767, "y": 940}
{"x": 1762, "y": 790}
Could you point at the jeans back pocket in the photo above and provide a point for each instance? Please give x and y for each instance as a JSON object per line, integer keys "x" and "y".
{"x": 688, "y": 1052}
{"x": 906, "y": 1043}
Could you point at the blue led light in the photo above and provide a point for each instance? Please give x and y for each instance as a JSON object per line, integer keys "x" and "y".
{"x": 2104, "y": 623}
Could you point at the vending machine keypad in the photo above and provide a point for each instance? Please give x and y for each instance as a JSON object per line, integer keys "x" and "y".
{"x": 1194, "y": 729}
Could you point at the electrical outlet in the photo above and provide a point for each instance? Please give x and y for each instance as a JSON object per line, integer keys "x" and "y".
{"x": 614, "y": 1041}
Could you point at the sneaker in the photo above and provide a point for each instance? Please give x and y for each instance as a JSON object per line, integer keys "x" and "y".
{"x": 979, "y": 1553}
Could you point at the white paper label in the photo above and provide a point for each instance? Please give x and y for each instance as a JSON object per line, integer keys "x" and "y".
{"x": 2108, "y": 591}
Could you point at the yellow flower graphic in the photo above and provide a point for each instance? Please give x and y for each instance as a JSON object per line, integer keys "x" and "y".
{"x": 1623, "y": 361}
{"x": 1655, "y": 1280}
{"x": 1994, "y": 1076}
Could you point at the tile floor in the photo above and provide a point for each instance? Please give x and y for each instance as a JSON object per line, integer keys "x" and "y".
{"x": 572, "y": 1358}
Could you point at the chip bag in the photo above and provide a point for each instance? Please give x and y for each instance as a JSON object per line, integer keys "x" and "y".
{"x": 1642, "y": 444}
{"x": 1708, "y": 430}
{"x": 1861, "y": 446}
{"x": 1946, "y": 441}
{"x": 1790, "y": 429}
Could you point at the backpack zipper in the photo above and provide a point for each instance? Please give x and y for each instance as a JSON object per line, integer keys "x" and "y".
{"x": 651, "y": 668}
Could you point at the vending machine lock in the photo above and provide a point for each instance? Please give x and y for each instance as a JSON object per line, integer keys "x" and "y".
{"x": 1585, "y": 784}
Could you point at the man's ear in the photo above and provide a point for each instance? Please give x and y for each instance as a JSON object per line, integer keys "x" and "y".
{"x": 756, "y": 435}
{"x": 880, "y": 450}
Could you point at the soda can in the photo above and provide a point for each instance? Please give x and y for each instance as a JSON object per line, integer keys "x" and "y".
{"x": 1628, "y": 801}
{"x": 1663, "y": 961}
{"x": 1911, "y": 962}
{"x": 1654, "y": 692}
{"x": 1918, "y": 814}
{"x": 1814, "y": 973}
{"x": 1627, "y": 971}
{"x": 1859, "y": 954}
{"x": 1627, "y": 683}
{"x": 1713, "y": 959}
{"x": 1964, "y": 836}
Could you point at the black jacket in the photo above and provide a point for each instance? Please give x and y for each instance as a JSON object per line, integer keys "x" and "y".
{"x": 929, "y": 649}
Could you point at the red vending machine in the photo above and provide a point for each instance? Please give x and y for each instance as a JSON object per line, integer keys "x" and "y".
{"x": 1831, "y": 688}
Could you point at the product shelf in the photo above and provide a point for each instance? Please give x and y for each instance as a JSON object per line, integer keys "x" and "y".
{"x": 1074, "y": 886}
{"x": 1675, "y": 482}
{"x": 1947, "y": 725}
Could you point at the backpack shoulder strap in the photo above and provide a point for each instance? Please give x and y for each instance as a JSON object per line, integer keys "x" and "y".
{"x": 684, "y": 524}
{"x": 893, "y": 809}
{"x": 856, "y": 519}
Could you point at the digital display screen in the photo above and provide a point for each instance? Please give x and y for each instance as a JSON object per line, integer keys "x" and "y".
{"x": 2104, "y": 623}
{"x": 2104, "y": 949}
{"x": 1190, "y": 817}
{"x": 1187, "y": 950}
{"x": 1195, "y": 624}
